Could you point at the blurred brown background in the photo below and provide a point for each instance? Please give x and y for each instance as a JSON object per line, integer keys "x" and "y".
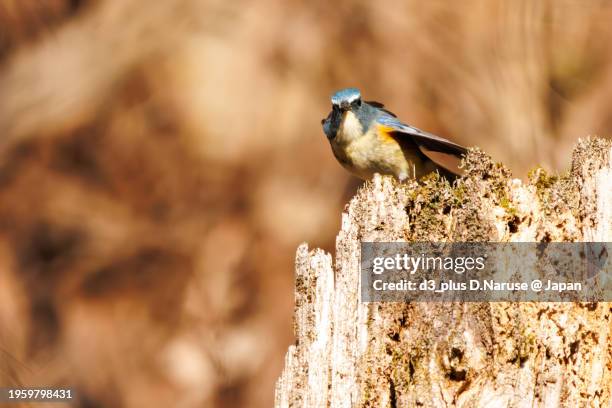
{"x": 161, "y": 160}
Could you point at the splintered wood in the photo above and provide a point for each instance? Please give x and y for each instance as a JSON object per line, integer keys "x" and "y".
{"x": 353, "y": 354}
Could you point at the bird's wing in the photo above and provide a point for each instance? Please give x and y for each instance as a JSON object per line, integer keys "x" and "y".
{"x": 441, "y": 151}
{"x": 428, "y": 140}
{"x": 381, "y": 107}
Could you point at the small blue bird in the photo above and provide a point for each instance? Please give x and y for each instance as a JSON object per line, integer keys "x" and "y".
{"x": 368, "y": 139}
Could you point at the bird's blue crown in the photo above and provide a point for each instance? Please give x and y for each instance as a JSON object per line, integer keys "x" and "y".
{"x": 346, "y": 95}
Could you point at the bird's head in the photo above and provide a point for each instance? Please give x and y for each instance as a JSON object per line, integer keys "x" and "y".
{"x": 346, "y": 99}
{"x": 343, "y": 101}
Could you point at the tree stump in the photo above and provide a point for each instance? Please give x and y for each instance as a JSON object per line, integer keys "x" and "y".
{"x": 457, "y": 354}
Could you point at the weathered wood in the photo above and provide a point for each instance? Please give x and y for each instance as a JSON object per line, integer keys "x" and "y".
{"x": 349, "y": 353}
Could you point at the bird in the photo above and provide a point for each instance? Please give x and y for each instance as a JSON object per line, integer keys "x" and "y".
{"x": 366, "y": 139}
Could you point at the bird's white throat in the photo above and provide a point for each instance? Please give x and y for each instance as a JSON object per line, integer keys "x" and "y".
{"x": 350, "y": 128}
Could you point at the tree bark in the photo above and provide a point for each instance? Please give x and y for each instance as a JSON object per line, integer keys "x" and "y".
{"x": 496, "y": 354}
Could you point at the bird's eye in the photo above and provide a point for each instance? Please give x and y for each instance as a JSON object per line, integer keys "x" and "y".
{"x": 356, "y": 103}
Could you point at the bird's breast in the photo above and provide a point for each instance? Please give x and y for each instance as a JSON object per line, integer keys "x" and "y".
{"x": 372, "y": 152}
